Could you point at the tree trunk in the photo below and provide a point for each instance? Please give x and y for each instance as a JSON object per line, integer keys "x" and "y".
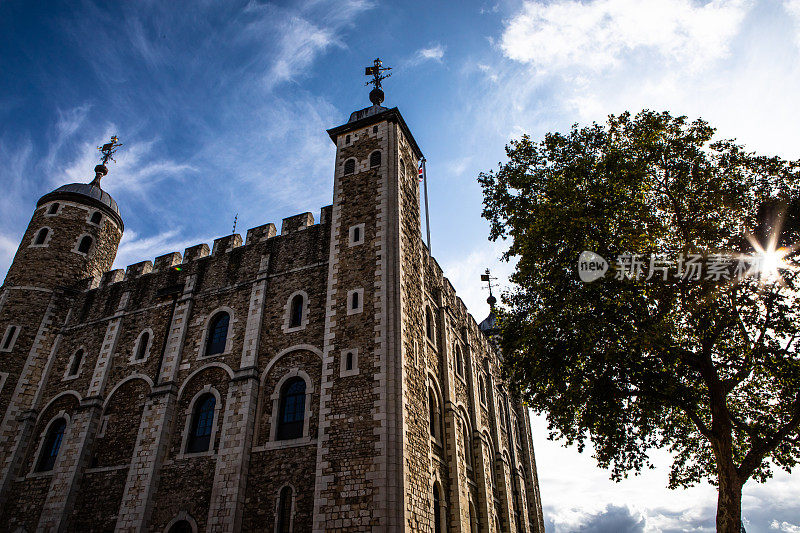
{"x": 729, "y": 499}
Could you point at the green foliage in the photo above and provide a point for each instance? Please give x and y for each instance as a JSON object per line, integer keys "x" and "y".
{"x": 709, "y": 369}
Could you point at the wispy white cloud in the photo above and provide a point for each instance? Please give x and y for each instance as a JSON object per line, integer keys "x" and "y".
{"x": 434, "y": 52}
{"x": 134, "y": 248}
{"x": 784, "y": 527}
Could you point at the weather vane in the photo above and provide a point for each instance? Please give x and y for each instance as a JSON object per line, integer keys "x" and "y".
{"x": 108, "y": 150}
{"x": 376, "y": 71}
{"x": 491, "y": 300}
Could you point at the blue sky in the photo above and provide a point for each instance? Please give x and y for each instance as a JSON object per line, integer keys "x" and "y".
{"x": 223, "y": 106}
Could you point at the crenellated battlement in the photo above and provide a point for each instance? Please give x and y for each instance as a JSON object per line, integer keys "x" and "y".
{"x": 220, "y": 247}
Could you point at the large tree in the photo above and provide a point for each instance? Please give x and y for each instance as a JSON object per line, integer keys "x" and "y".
{"x": 704, "y": 363}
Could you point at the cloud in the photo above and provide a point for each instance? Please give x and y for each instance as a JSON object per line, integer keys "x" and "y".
{"x": 434, "y": 53}
{"x": 134, "y": 248}
{"x": 784, "y": 526}
{"x": 596, "y": 35}
{"x": 614, "y": 519}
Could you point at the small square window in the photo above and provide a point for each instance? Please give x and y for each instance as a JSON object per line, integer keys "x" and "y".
{"x": 356, "y": 235}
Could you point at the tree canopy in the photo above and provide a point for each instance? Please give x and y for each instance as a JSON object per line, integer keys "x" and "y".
{"x": 668, "y": 349}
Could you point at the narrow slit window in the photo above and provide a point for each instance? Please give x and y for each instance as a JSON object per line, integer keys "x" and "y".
{"x": 9, "y": 337}
{"x": 348, "y": 365}
{"x": 41, "y": 236}
{"x": 85, "y": 245}
{"x": 347, "y": 140}
{"x": 75, "y": 365}
{"x": 296, "y": 312}
{"x": 285, "y": 510}
{"x": 141, "y": 350}
{"x": 356, "y": 234}
{"x": 354, "y": 301}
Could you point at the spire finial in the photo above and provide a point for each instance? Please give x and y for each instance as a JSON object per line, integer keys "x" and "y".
{"x": 108, "y": 150}
{"x": 487, "y": 277}
{"x": 376, "y": 70}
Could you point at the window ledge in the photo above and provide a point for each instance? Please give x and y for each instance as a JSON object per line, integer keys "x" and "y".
{"x": 288, "y": 443}
{"x": 213, "y": 355}
{"x": 209, "y": 453}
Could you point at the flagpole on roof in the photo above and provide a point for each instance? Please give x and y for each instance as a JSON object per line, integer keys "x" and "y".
{"x": 427, "y": 218}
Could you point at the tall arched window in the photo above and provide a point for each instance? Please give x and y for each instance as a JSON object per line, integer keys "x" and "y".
{"x": 52, "y": 443}
{"x": 349, "y": 166}
{"x": 217, "y": 334}
{"x": 141, "y": 349}
{"x": 482, "y": 386}
{"x": 285, "y": 510}
{"x": 459, "y": 362}
{"x": 434, "y": 414}
{"x": 437, "y": 509}
{"x": 402, "y": 169}
{"x": 85, "y": 245}
{"x": 296, "y": 311}
{"x": 429, "y": 324}
{"x": 375, "y": 159}
{"x": 473, "y": 519}
{"x": 75, "y": 364}
{"x": 202, "y": 423}
{"x": 348, "y": 363}
{"x": 354, "y": 301}
{"x": 292, "y": 409}
{"x": 41, "y": 236}
{"x": 467, "y": 445}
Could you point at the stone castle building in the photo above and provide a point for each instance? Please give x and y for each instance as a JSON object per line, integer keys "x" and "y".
{"x": 326, "y": 378}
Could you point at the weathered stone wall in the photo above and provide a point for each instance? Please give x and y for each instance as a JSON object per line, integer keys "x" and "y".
{"x": 366, "y": 458}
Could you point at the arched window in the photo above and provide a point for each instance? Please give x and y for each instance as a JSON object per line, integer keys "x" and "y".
{"x": 349, "y": 166}
{"x": 85, "y": 245}
{"x": 96, "y": 217}
{"x": 75, "y": 364}
{"x": 41, "y": 236}
{"x": 53, "y": 209}
{"x": 52, "y": 443}
{"x": 375, "y": 159}
{"x": 292, "y": 409}
{"x": 482, "y": 386}
{"x": 354, "y": 301}
{"x": 473, "y": 519}
{"x": 202, "y": 423}
{"x": 217, "y": 334}
{"x": 296, "y": 311}
{"x": 429, "y": 324}
{"x": 356, "y": 234}
{"x": 181, "y": 526}
{"x": 459, "y": 362}
{"x": 501, "y": 413}
{"x": 285, "y": 510}
{"x": 348, "y": 363}
{"x": 141, "y": 349}
{"x": 467, "y": 445}
{"x": 434, "y": 413}
{"x": 437, "y": 509}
